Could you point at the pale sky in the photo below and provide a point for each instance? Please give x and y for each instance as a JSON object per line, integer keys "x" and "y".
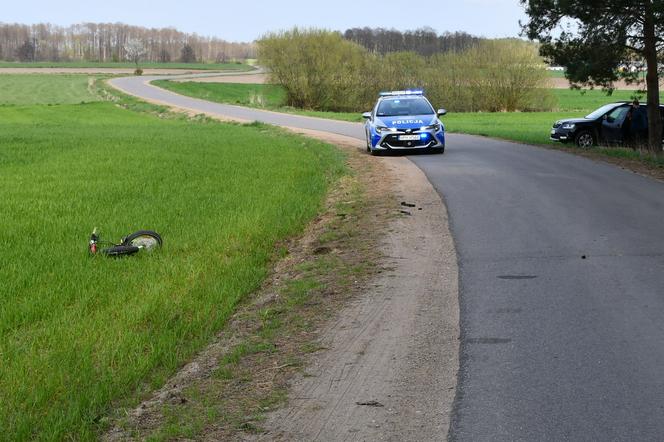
{"x": 247, "y": 20}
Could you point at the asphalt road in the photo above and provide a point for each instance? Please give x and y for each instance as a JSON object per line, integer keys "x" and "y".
{"x": 561, "y": 264}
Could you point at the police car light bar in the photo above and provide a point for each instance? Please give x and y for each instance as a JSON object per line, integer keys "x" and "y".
{"x": 406, "y": 92}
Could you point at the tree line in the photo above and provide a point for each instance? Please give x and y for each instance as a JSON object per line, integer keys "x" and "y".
{"x": 105, "y": 42}
{"x": 424, "y": 41}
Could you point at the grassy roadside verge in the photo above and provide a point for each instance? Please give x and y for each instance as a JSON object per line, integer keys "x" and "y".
{"x": 79, "y": 335}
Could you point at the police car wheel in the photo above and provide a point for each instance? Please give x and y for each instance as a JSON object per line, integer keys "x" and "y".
{"x": 438, "y": 150}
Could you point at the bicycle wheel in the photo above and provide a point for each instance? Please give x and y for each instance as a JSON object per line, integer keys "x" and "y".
{"x": 143, "y": 239}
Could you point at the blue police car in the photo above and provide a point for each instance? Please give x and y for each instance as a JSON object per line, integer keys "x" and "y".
{"x": 404, "y": 120}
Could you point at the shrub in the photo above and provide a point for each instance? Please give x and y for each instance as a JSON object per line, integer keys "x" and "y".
{"x": 320, "y": 70}
{"x": 494, "y": 76}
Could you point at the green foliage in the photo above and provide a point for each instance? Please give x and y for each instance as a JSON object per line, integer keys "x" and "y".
{"x": 495, "y": 75}
{"x": 187, "y": 55}
{"x": 26, "y": 52}
{"x": 78, "y": 334}
{"x": 603, "y": 39}
{"x": 320, "y": 70}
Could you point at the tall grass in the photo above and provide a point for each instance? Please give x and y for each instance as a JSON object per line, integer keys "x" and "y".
{"x": 79, "y": 334}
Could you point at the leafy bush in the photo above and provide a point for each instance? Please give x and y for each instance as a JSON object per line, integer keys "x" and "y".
{"x": 494, "y": 76}
{"x": 318, "y": 69}
{"x": 322, "y": 71}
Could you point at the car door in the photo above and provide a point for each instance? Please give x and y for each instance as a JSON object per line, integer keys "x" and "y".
{"x": 612, "y": 124}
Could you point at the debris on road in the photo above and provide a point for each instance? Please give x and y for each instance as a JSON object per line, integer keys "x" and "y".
{"x": 371, "y": 404}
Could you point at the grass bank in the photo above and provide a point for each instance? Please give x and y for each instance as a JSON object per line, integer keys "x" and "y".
{"x": 81, "y": 335}
{"x": 263, "y": 96}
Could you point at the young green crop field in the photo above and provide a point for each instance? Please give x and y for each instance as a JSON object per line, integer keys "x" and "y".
{"x": 82, "y": 335}
{"x": 46, "y": 89}
{"x": 127, "y": 65}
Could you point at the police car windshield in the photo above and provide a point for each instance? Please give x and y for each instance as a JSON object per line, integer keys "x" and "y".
{"x": 394, "y": 107}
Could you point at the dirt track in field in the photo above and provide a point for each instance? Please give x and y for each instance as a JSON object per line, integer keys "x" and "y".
{"x": 562, "y": 83}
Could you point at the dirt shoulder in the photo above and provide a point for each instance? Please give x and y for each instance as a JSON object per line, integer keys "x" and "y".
{"x": 563, "y": 83}
{"x": 353, "y": 336}
{"x": 389, "y": 369}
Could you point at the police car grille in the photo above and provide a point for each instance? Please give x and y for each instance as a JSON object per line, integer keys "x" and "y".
{"x": 393, "y": 140}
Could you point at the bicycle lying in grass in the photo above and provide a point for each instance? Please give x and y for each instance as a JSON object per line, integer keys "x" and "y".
{"x": 147, "y": 240}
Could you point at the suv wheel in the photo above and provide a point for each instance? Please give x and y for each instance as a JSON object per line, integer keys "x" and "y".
{"x": 584, "y": 139}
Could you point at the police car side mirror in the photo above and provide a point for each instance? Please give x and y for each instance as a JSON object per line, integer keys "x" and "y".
{"x": 366, "y": 115}
{"x": 441, "y": 112}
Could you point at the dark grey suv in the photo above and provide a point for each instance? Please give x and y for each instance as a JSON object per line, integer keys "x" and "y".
{"x": 605, "y": 125}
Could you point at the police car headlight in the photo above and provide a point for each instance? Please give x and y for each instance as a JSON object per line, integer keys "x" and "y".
{"x": 434, "y": 127}
{"x": 381, "y": 129}
{"x": 568, "y": 125}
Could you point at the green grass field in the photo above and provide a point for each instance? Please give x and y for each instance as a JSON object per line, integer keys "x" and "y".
{"x": 265, "y": 96}
{"x": 127, "y": 65}
{"x": 38, "y": 89}
{"x": 81, "y": 335}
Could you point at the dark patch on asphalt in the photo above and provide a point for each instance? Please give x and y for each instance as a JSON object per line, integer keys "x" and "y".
{"x": 517, "y": 276}
{"x": 488, "y": 341}
{"x": 509, "y": 310}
